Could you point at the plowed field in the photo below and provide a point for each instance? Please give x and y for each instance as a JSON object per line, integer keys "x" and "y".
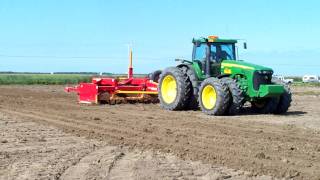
{"x": 46, "y": 134}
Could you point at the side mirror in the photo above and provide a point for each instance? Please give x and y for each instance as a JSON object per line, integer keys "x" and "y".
{"x": 244, "y": 45}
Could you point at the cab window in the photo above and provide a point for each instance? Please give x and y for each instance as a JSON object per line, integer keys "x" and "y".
{"x": 213, "y": 53}
{"x": 200, "y": 52}
{"x": 227, "y": 52}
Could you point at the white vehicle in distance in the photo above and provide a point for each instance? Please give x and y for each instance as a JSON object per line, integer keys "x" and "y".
{"x": 283, "y": 79}
{"x": 310, "y": 78}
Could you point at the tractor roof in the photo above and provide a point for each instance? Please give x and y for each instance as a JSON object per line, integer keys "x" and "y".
{"x": 213, "y": 39}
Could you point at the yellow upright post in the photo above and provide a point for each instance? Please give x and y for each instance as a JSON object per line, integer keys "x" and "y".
{"x": 130, "y": 72}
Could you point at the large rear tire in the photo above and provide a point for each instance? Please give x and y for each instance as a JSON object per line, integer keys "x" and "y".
{"x": 193, "y": 103}
{"x": 237, "y": 97}
{"x": 213, "y": 97}
{"x": 174, "y": 89}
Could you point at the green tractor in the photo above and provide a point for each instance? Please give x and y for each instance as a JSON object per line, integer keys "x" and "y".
{"x": 219, "y": 83}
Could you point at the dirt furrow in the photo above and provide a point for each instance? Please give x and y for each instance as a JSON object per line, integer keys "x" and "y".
{"x": 63, "y": 156}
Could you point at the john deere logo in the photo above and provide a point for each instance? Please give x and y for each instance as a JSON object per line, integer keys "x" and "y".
{"x": 227, "y": 71}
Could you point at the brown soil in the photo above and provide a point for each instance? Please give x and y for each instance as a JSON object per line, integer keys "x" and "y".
{"x": 143, "y": 141}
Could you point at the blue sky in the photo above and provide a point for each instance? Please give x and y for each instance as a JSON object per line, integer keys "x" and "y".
{"x": 92, "y": 35}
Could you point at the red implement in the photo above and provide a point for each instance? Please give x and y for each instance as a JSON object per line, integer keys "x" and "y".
{"x": 114, "y": 90}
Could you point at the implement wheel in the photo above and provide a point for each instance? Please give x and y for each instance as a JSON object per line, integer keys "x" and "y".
{"x": 214, "y": 97}
{"x": 174, "y": 89}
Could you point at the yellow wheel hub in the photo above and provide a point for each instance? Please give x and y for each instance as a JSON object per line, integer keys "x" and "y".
{"x": 209, "y": 97}
{"x": 169, "y": 89}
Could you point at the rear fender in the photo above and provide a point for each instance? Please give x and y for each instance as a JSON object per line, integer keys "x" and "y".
{"x": 223, "y": 75}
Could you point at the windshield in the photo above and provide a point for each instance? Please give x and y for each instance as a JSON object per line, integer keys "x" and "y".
{"x": 223, "y": 51}
{"x": 227, "y": 51}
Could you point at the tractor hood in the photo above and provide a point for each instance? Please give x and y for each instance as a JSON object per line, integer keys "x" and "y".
{"x": 239, "y": 64}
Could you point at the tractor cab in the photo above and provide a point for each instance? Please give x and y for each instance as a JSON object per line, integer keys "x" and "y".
{"x": 212, "y": 51}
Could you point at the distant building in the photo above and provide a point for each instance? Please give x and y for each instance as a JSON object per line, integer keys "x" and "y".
{"x": 310, "y": 78}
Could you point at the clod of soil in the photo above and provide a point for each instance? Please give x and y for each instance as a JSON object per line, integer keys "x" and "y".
{"x": 261, "y": 155}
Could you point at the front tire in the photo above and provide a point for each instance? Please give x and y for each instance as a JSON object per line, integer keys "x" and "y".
{"x": 213, "y": 97}
{"x": 174, "y": 89}
{"x": 265, "y": 106}
{"x": 285, "y": 99}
